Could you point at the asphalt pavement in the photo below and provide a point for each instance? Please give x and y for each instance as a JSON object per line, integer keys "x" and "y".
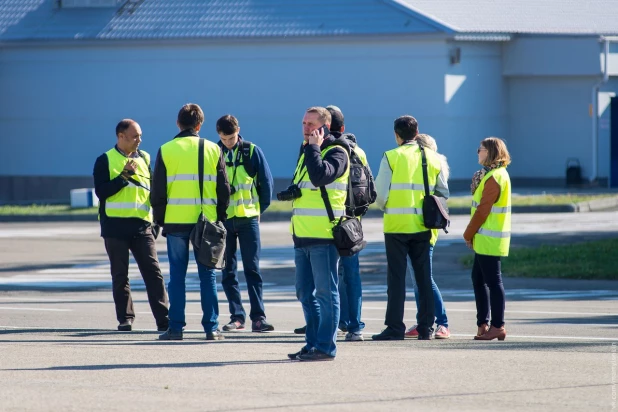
{"x": 60, "y": 351}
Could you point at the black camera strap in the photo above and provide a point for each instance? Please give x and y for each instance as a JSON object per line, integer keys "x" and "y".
{"x": 200, "y": 173}
{"x": 424, "y": 165}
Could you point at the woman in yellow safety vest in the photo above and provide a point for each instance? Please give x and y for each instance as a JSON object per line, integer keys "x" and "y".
{"x": 489, "y": 234}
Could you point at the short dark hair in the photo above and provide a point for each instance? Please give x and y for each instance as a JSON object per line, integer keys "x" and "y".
{"x": 336, "y": 122}
{"x": 190, "y": 116}
{"x": 227, "y": 125}
{"x": 406, "y": 127}
{"x": 123, "y": 125}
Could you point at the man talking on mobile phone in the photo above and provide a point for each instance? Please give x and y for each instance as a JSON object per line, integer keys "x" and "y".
{"x": 321, "y": 175}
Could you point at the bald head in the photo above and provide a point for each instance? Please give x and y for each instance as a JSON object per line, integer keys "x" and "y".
{"x": 129, "y": 135}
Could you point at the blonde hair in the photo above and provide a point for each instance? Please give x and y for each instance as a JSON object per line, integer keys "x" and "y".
{"x": 497, "y": 153}
{"x": 323, "y": 114}
{"x": 430, "y": 143}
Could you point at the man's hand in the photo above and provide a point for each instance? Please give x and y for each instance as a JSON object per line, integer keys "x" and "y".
{"x": 130, "y": 167}
{"x": 317, "y": 137}
{"x": 469, "y": 243}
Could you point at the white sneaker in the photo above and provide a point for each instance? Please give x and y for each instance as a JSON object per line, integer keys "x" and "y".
{"x": 354, "y": 337}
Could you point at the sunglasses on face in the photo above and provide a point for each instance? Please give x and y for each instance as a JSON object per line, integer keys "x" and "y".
{"x": 480, "y": 149}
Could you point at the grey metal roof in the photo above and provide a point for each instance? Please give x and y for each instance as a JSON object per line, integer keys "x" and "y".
{"x": 176, "y": 19}
{"x": 521, "y": 16}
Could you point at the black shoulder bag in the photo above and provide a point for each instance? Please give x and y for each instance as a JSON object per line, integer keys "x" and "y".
{"x": 435, "y": 210}
{"x": 207, "y": 238}
{"x": 348, "y": 231}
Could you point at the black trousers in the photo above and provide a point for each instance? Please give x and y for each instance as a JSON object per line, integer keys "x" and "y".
{"x": 488, "y": 290}
{"x": 145, "y": 254}
{"x": 398, "y": 247}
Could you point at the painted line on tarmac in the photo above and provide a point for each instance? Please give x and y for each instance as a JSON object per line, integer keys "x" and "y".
{"x": 41, "y": 309}
{"x": 293, "y": 305}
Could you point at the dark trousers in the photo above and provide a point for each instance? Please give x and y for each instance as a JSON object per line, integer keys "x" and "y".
{"x": 417, "y": 247}
{"x": 488, "y": 290}
{"x": 245, "y": 231}
{"x": 145, "y": 254}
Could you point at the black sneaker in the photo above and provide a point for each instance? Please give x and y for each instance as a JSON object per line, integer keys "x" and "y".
{"x": 315, "y": 355}
{"x": 261, "y": 326}
{"x": 126, "y": 326}
{"x": 294, "y": 356}
{"x": 424, "y": 337}
{"x": 301, "y": 331}
{"x": 234, "y": 325}
{"x": 388, "y": 334}
{"x": 171, "y": 335}
{"x": 214, "y": 335}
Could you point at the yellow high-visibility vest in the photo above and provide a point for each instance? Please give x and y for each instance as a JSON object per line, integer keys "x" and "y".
{"x": 404, "y": 206}
{"x": 494, "y": 236}
{"x": 131, "y": 200}
{"x": 245, "y": 202}
{"x": 180, "y": 157}
{"x": 309, "y": 216}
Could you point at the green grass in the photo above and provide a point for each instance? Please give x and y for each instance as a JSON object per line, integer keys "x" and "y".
{"x": 590, "y": 260}
{"x": 535, "y": 200}
{"x": 276, "y": 206}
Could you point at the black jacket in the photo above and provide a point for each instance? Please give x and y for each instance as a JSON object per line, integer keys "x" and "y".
{"x": 158, "y": 194}
{"x": 322, "y": 172}
{"x": 104, "y": 187}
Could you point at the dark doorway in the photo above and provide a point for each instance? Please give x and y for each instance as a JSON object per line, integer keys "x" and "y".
{"x": 613, "y": 143}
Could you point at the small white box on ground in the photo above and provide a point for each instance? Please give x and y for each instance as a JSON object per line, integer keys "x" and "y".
{"x": 84, "y": 198}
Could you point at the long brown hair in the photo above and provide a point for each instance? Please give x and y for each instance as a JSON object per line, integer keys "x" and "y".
{"x": 497, "y": 153}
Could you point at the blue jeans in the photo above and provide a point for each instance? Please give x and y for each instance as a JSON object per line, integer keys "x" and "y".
{"x": 441, "y": 319}
{"x": 178, "y": 255}
{"x": 351, "y": 293}
{"x": 316, "y": 289}
{"x": 247, "y": 232}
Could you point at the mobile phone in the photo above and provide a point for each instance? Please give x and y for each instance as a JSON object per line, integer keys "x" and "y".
{"x": 325, "y": 130}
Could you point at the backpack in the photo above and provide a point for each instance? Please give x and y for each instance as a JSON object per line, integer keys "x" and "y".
{"x": 363, "y": 186}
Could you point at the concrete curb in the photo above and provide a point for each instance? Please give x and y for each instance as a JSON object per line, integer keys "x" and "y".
{"x": 598, "y": 205}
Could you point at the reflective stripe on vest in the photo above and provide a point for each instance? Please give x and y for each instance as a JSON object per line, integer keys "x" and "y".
{"x": 245, "y": 201}
{"x": 131, "y": 200}
{"x": 404, "y": 207}
{"x": 494, "y": 236}
{"x": 337, "y": 186}
{"x": 494, "y": 209}
{"x": 180, "y": 157}
{"x": 309, "y": 215}
{"x": 190, "y": 177}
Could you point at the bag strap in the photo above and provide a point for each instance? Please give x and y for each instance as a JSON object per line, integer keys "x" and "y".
{"x": 245, "y": 149}
{"x": 329, "y": 207}
{"x": 200, "y": 172}
{"x": 424, "y": 164}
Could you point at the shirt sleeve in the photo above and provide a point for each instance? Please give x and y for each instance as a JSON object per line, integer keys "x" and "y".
{"x": 105, "y": 187}
{"x": 383, "y": 182}
{"x": 441, "y": 188}
{"x": 223, "y": 190}
{"x": 324, "y": 171}
{"x": 158, "y": 190}
{"x": 264, "y": 178}
{"x": 491, "y": 193}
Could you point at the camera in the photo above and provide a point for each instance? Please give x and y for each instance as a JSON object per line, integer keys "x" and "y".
{"x": 291, "y": 193}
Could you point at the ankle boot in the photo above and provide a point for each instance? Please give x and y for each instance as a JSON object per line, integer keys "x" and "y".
{"x": 493, "y": 333}
{"x": 482, "y": 330}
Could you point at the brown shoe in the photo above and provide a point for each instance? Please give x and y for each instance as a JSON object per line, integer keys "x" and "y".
{"x": 493, "y": 333}
{"x": 482, "y": 330}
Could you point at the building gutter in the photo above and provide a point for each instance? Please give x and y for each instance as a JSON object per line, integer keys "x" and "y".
{"x": 595, "y": 110}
